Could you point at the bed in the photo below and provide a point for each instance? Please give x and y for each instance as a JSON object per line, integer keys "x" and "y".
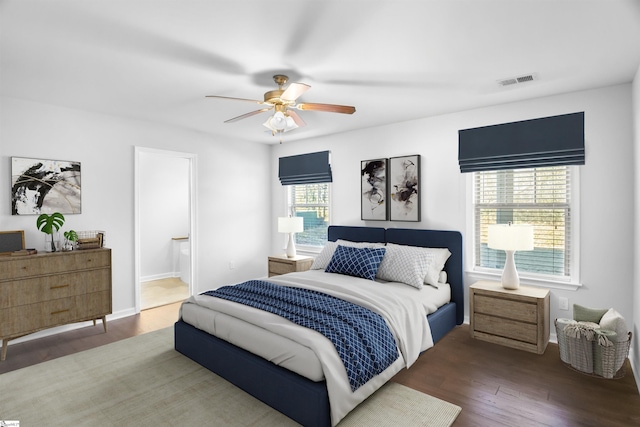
{"x": 300, "y": 398}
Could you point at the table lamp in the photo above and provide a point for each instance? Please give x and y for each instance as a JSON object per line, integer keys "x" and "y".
{"x": 291, "y": 225}
{"x": 511, "y": 238}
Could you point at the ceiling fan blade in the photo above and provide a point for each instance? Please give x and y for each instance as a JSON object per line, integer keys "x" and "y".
{"x": 296, "y": 118}
{"x": 294, "y": 91}
{"x": 244, "y": 116}
{"x": 255, "y": 101}
{"x": 331, "y": 108}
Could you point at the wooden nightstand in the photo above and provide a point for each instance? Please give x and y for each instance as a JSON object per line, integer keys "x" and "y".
{"x": 514, "y": 318}
{"x": 280, "y": 264}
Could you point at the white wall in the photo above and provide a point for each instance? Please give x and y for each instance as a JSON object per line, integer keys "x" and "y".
{"x": 607, "y": 190}
{"x": 233, "y": 188}
{"x": 164, "y": 205}
{"x": 636, "y": 257}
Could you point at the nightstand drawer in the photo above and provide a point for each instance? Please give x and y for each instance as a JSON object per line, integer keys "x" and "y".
{"x": 525, "y": 332}
{"x": 517, "y": 318}
{"x": 283, "y": 265}
{"x": 280, "y": 268}
{"x": 515, "y": 310}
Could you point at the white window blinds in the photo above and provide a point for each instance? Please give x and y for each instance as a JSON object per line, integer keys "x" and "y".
{"x": 537, "y": 196}
{"x": 311, "y": 201}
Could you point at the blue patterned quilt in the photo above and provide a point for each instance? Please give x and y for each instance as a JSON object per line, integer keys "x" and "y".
{"x": 361, "y": 337}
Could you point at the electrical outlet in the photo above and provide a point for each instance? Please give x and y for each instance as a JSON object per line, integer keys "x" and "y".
{"x": 563, "y": 303}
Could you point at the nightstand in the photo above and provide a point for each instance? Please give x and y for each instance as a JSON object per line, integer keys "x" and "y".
{"x": 280, "y": 264}
{"x": 514, "y": 318}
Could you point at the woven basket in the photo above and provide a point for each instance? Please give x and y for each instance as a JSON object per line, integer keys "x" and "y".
{"x": 591, "y": 357}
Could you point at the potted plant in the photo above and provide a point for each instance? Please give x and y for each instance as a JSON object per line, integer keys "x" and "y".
{"x": 46, "y": 223}
{"x": 70, "y": 239}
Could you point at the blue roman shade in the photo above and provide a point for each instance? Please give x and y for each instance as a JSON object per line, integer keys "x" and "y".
{"x": 311, "y": 168}
{"x": 548, "y": 141}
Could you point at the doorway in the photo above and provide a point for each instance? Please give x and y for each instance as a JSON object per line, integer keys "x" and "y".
{"x": 165, "y": 226}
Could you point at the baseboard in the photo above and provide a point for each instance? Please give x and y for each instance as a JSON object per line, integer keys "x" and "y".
{"x": 160, "y": 276}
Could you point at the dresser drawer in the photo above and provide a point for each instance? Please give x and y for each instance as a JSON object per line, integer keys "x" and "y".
{"x": 91, "y": 259}
{"x": 516, "y": 310}
{"x": 33, "y": 317}
{"x": 29, "y": 291}
{"x": 59, "y": 262}
{"x": 96, "y": 304}
{"x": 525, "y": 332}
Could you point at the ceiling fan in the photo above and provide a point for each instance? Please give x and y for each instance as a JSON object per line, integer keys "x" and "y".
{"x": 283, "y": 102}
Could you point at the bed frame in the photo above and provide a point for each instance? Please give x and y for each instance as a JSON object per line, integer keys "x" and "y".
{"x": 301, "y": 399}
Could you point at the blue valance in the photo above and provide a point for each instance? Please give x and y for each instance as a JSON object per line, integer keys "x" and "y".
{"x": 311, "y": 168}
{"x": 548, "y": 141}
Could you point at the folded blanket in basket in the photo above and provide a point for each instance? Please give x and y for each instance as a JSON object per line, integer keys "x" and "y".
{"x": 581, "y": 329}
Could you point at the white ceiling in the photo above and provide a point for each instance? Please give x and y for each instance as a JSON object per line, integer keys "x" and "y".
{"x": 394, "y": 60}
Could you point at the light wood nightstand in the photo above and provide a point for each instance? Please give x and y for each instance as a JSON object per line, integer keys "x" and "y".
{"x": 513, "y": 318}
{"x": 280, "y": 264}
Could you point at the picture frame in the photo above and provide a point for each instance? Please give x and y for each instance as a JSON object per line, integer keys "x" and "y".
{"x": 404, "y": 188}
{"x": 11, "y": 241}
{"x": 45, "y": 186}
{"x": 373, "y": 190}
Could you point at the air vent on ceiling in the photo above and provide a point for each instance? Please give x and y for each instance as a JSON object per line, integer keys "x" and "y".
{"x": 519, "y": 79}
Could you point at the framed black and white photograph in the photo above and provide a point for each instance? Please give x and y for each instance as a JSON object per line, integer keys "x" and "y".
{"x": 373, "y": 193}
{"x": 404, "y": 188}
{"x": 45, "y": 186}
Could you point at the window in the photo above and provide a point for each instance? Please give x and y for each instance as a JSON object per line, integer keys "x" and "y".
{"x": 538, "y": 196}
{"x": 310, "y": 201}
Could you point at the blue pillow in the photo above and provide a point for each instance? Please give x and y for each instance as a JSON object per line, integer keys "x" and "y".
{"x": 358, "y": 262}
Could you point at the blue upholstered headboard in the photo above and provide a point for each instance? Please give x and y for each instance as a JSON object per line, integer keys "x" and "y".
{"x": 416, "y": 237}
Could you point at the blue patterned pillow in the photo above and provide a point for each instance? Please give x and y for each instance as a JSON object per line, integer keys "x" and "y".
{"x": 359, "y": 262}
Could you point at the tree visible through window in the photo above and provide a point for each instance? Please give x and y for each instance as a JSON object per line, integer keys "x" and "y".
{"x": 537, "y": 196}
{"x": 311, "y": 201}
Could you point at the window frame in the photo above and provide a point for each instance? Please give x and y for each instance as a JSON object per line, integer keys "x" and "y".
{"x": 310, "y": 249}
{"x": 526, "y": 278}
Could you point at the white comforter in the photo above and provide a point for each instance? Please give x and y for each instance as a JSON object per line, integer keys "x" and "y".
{"x": 406, "y": 317}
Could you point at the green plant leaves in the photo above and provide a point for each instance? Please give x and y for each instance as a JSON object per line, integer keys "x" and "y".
{"x": 46, "y": 223}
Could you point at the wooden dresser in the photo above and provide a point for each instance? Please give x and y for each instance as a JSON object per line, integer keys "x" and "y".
{"x": 52, "y": 289}
{"x": 280, "y": 264}
{"x": 514, "y": 318}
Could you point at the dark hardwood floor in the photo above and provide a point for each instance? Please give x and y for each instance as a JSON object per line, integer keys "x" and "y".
{"x": 494, "y": 385}
{"x": 500, "y": 386}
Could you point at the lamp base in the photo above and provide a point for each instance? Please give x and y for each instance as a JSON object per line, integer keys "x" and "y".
{"x": 291, "y": 247}
{"x": 510, "y": 278}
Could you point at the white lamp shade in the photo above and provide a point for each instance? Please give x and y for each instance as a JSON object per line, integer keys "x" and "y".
{"x": 290, "y": 224}
{"x": 511, "y": 237}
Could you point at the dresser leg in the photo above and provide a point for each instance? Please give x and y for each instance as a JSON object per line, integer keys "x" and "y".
{"x": 104, "y": 323}
{"x": 5, "y": 342}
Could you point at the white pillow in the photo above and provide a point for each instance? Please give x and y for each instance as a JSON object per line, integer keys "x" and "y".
{"x": 613, "y": 321}
{"x": 322, "y": 260}
{"x": 437, "y": 259}
{"x": 442, "y": 277}
{"x": 404, "y": 264}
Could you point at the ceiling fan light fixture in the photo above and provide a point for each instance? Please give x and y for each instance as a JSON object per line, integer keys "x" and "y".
{"x": 280, "y": 122}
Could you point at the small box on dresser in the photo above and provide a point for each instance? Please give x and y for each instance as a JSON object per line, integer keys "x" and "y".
{"x": 514, "y": 318}
{"x": 281, "y": 264}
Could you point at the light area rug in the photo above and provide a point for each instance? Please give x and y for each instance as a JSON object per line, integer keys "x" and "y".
{"x": 143, "y": 381}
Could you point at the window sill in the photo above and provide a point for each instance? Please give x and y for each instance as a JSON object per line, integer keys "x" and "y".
{"x": 527, "y": 281}
{"x": 308, "y": 250}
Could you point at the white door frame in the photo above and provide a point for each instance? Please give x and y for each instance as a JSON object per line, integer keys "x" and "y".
{"x": 193, "y": 195}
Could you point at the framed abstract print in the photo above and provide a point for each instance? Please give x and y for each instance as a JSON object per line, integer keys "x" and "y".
{"x": 404, "y": 188}
{"x": 373, "y": 190}
{"x": 44, "y": 186}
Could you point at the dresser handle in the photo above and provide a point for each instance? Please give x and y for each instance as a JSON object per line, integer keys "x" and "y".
{"x": 59, "y": 311}
{"x": 58, "y": 287}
